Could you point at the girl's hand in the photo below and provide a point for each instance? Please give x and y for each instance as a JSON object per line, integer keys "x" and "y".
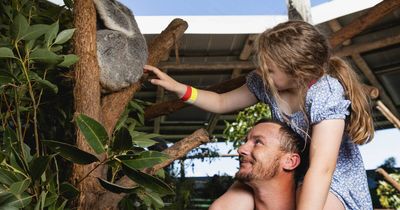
{"x": 166, "y": 81}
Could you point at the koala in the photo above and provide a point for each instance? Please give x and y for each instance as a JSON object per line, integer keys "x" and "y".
{"x": 121, "y": 48}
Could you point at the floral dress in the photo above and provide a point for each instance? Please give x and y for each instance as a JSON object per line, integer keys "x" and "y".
{"x": 326, "y": 100}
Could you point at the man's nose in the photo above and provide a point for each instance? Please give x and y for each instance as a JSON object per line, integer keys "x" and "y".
{"x": 243, "y": 149}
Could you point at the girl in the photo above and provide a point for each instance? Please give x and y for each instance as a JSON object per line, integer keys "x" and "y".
{"x": 319, "y": 96}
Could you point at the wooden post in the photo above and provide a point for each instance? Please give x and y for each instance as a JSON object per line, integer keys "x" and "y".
{"x": 388, "y": 114}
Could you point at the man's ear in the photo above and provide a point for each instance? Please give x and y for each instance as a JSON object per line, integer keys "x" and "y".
{"x": 290, "y": 161}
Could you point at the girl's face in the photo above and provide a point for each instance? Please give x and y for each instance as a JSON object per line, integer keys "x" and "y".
{"x": 282, "y": 81}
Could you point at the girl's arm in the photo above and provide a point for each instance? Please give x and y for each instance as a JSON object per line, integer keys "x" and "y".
{"x": 207, "y": 100}
{"x": 324, "y": 149}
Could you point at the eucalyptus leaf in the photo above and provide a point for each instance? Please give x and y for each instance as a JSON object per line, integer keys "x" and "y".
{"x": 50, "y": 199}
{"x": 115, "y": 188}
{"x": 29, "y": 44}
{"x": 40, "y": 203}
{"x": 64, "y": 36}
{"x": 122, "y": 140}
{"x": 43, "y": 82}
{"x": 45, "y": 56}
{"x": 18, "y": 188}
{"x": 144, "y": 140}
{"x": 19, "y": 27}
{"x": 146, "y": 159}
{"x": 68, "y": 190}
{"x": 71, "y": 152}
{"x": 147, "y": 180}
{"x": 38, "y": 166}
{"x": 7, "y": 177}
{"x": 94, "y": 132}
{"x": 69, "y": 60}
{"x": 35, "y": 31}
{"x": 51, "y": 34}
{"x": 20, "y": 201}
{"x": 155, "y": 199}
{"x": 6, "y": 53}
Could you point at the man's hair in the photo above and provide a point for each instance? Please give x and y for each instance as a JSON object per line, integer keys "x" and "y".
{"x": 291, "y": 142}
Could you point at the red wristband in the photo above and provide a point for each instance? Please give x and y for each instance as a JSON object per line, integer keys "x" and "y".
{"x": 188, "y": 93}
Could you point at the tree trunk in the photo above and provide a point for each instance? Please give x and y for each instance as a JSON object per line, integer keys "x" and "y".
{"x": 86, "y": 95}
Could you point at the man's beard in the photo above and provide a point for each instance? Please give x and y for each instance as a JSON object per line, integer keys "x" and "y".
{"x": 260, "y": 171}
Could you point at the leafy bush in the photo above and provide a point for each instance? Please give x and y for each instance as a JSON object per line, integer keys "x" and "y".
{"x": 237, "y": 130}
{"x": 389, "y": 197}
{"x": 36, "y": 111}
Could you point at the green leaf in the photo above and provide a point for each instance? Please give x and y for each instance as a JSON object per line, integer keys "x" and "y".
{"x": 143, "y": 140}
{"x": 93, "y": 131}
{"x": 45, "y": 56}
{"x": 9, "y": 201}
{"x": 69, "y": 60}
{"x": 19, "y": 27}
{"x": 64, "y": 36}
{"x": 68, "y": 190}
{"x": 40, "y": 203}
{"x": 6, "y": 53}
{"x": 20, "y": 187}
{"x": 68, "y": 3}
{"x": 70, "y": 152}
{"x": 122, "y": 140}
{"x": 115, "y": 188}
{"x": 147, "y": 181}
{"x": 50, "y": 199}
{"x": 51, "y": 34}
{"x": 7, "y": 177}
{"x": 44, "y": 82}
{"x": 127, "y": 204}
{"x": 35, "y": 31}
{"x": 146, "y": 159}
{"x": 134, "y": 105}
{"x": 38, "y": 166}
{"x": 29, "y": 44}
{"x": 155, "y": 199}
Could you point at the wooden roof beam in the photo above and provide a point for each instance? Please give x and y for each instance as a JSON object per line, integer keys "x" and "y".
{"x": 367, "y": 46}
{"x": 356, "y": 26}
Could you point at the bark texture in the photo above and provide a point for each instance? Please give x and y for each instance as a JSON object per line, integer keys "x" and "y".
{"x": 86, "y": 95}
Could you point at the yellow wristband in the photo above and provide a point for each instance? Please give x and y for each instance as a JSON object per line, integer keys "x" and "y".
{"x": 193, "y": 96}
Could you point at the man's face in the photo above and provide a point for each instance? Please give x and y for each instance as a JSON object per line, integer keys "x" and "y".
{"x": 260, "y": 155}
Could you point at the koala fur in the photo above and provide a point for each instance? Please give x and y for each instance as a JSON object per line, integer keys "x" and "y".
{"x": 121, "y": 48}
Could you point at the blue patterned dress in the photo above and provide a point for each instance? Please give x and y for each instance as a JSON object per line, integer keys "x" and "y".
{"x": 326, "y": 100}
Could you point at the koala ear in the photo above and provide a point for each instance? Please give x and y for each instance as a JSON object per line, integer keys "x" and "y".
{"x": 117, "y": 16}
{"x": 290, "y": 161}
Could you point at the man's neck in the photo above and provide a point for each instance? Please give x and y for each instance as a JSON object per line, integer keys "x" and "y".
{"x": 274, "y": 194}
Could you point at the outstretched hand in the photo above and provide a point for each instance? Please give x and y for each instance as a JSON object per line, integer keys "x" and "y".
{"x": 165, "y": 81}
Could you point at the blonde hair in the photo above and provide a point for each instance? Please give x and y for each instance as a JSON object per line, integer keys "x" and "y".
{"x": 301, "y": 51}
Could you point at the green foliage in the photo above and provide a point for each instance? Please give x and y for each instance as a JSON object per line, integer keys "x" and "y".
{"x": 36, "y": 116}
{"x": 237, "y": 130}
{"x": 30, "y": 77}
{"x": 124, "y": 159}
{"x": 389, "y": 197}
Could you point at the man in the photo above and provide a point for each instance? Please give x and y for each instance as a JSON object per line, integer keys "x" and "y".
{"x": 268, "y": 161}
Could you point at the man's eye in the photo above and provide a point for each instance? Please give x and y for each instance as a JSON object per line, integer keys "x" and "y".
{"x": 258, "y": 141}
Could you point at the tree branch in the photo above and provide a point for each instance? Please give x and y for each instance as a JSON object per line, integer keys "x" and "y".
{"x": 114, "y": 104}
